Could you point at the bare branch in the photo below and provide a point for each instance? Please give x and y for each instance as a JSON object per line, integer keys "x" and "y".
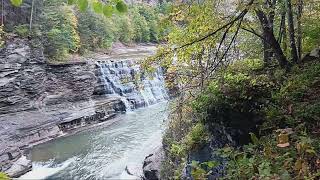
{"x": 239, "y": 17}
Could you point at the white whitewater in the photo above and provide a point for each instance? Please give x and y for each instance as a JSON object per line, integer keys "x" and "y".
{"x": 126, "y": 79}
{"x": 103, "y": 153}
{"x": 42, "y": 170}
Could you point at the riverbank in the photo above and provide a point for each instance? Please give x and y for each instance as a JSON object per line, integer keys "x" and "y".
{"x": 41, "y": 100}
{"x": 103, "y": 152}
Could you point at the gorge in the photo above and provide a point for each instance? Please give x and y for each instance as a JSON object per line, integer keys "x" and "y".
{"x": 231, "y": 90}
{"x": 41, "y": 101}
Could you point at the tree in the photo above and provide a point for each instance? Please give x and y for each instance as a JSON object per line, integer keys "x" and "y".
{"x": 299, "y": 27}
{"x": 269, "y": 15}
{"x": 98, "y": 6}
{"x": 31, "y": 16}
{"x": 293, "y": 46}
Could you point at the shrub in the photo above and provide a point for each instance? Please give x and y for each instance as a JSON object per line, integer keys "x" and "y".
{"x": 267, "y": 161}
{"x": 141, "y": 28}
{"x": 21, "y": 30}
{"x": 235, "y": 99}
{"x": 125, "y": 30}
{"x": 4, "y": 176}
{"x": 2, "y": 36}
{"x": 196, "y": 137}
{"x": 96, "y": 31}
{"x": 59, "y": 25}
{"x": 297, "y": 101}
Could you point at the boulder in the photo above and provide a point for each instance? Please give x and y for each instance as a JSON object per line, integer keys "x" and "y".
{"x": 20, "y": 167}
{"x": 313, "y": 55}
{"x": 152, "y": 164}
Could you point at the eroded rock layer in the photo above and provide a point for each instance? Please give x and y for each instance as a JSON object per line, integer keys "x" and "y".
{"x": 40, "y": 100}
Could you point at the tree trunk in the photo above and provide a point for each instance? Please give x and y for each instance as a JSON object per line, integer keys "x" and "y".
{"x": 274, "y": 44}
{"x": 299, "y": 28}
{"x": 31, "y": 15}
{"x": 267, "y": 50}
{"x": 294, "y": 54}
{"x": 2, "y": 12}
{"x": 269, "y": 38}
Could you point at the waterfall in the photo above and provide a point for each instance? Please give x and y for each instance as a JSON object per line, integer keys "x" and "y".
{"x": 126, "y": 80}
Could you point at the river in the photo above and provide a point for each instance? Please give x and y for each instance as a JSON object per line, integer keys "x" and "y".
{"x": 104, "y": 151}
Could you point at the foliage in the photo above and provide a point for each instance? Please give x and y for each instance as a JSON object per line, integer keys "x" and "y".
{"x": 141, "y": 28}
{"x": 95, "y": 31}
{"x": 194, "y": 139}
{"x": 202, "y": 170}
{"x": 186, "y": 137}
{"x": 124, "y": 29}
{"x": 16, "y": 2}
{"x": 293, "y": 104}
{"x": 236, "y": 97}
{"x": 267, "y": 161}
{"x": 4, "y": 176}
{"x": 60, "y": 28}
{"x": 310, "y": 24}
{"x": 297, "y": 101}
{"x": 109, "y": 8}
{"x": 205, "y": 57}
{"x": 248, "y": 97}
{"x": 94, "y": 25}
{"x": 22, "y": 30}
{"x": 2, "y": 36}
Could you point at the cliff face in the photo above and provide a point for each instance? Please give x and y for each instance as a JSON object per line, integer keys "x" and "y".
{"x": 40, "y": 101}
{"x": 27, "y": 82}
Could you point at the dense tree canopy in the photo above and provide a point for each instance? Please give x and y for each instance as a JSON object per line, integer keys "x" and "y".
{"x": 78, "y": 26}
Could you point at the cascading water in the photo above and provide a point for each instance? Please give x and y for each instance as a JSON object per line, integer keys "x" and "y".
{"x": 105, "y": 152}
{"x": 126, "y": 80}
{"x": 119, "y": 144}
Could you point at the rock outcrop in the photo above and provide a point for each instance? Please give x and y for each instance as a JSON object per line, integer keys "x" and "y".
{"x": 152, "y": 164}
{"x": 313, "y": 55}
{"x": 40, "y": 101}
{"x": 27, "y": 82}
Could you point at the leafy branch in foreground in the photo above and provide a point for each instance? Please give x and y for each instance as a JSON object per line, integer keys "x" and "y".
{"x": 112, "y": 7}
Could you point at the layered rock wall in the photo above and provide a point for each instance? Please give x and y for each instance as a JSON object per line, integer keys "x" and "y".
{"x": 40, "y": 101}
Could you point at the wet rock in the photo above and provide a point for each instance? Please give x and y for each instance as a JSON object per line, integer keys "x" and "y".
{"x": 313, "y": 55}
{"x": 315, "y": 52}
{"x": 20, "y": 167}
{"x": 36, "y": 97}
{"x": 27, "y": 82}
{"x": 125, "y": 78}
{"x": 152, "y": 165}
{"x": 40, "y": 101}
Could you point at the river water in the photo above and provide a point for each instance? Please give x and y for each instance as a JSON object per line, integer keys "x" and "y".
{"x": 102, "y": 152}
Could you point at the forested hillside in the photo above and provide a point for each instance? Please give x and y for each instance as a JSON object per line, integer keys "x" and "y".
{"x": 244, "y": 76}
{"x": 248, "y": 78}
{"x": 69, "y": 27}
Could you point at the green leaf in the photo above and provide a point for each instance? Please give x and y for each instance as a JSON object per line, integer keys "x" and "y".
{"x": 83, "y": 4}
{"x": 71, "y": 2}
{"x": 97, "y": 7}
{"x": 311, "y": 151}
{"x": 4, "y": 176}
{"x": 107, "y": 10}
{"x": 16, "y": 2}
{"x": 254, "y": 139}
{"x": 211, "y": 164}
{"x": 121, "y": 7}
